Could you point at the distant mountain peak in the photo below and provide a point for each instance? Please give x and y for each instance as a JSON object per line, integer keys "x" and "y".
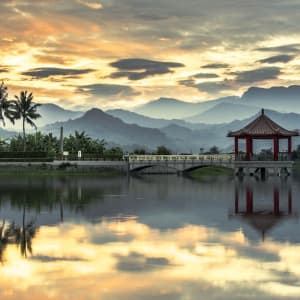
{"x": 94, "y": 111}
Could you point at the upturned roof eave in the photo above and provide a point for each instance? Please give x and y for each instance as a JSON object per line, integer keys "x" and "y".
{"x": 261, "y": 135}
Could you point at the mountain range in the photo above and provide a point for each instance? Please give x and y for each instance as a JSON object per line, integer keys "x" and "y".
{"x": 191, "y": 127}
{"x": 283, "y": 99}
{"x": 168, "y": 108}
{"x": 50, "y": 113}
{"x": 101, "y": 125}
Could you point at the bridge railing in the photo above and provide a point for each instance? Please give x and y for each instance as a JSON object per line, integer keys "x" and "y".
{"x": 191, "y": 157}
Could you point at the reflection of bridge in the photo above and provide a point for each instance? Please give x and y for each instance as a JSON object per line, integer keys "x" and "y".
{"x": 180, "y": 163}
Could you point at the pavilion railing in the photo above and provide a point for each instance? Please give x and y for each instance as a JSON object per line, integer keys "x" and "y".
{"x": 282, "y": 156}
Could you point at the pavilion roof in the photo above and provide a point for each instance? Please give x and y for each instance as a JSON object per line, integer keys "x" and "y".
{"x": 263, "y": 126}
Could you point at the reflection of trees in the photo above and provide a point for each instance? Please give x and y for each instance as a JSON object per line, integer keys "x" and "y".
{"x": 32, "y": 195}
{"x": 24, "y": 235}
{"x": 19, "y": 235}
{"x": 3, "y": 240}
{"x": 50, "y": 194}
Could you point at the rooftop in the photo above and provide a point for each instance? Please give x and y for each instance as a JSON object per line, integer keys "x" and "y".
{"x": 263, "y": 126}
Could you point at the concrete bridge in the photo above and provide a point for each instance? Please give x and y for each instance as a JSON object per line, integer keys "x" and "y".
{"x": 186, "y": 163}
{"x": 179, "y": 163}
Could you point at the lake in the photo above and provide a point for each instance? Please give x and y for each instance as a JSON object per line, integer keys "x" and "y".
{"x": 150, "y": 237}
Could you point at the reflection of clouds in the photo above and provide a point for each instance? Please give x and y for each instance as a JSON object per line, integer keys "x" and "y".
{"x": 155, "y": 264}
{"x": 137, "y": 262}
{"x": 44, "y": 258}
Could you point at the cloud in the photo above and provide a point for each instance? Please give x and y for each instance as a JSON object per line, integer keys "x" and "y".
{"x": 213, "y": 87}
{"x": 205, "y": 75}
{"x": 48, "y": 72}
{"x": 215, "y": 66}
{"x": 290, "y": 48}
{"x": 283, "y": 58}
{"x": 136, "y": 69}
{"x": 136, "y": 262}
{"x": 187, "y": 82}
{"x": 257, "y": 75}
{"x": 107, "y": 90}
{"x": 91, "y": 4}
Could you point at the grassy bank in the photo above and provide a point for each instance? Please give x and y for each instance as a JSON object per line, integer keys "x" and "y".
{"x": 210, "y": 172}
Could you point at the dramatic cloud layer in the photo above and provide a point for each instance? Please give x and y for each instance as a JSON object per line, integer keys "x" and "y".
{"x": 48, "y": 72}
{"x": 150, "y": 48}
{"x": 284, "y": 58}
{"x": 257, "y": 75}
{"x": 136, "y": 69}
{"x": 215, "y": 66}
{"x": 107, "y": 90}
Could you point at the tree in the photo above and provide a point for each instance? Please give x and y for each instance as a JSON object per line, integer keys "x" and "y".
{"x": 162, "y": 150}
{"x": 115, "y": 153}
{"x": 139, "y": 151}
{"x": 80, "y": 141}
{"x": 6, "y": 106}
{"x": 214, "y": 150}
{"x": 27, "y": 111}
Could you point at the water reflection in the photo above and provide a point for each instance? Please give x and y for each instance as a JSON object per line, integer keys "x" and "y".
{"x": 151, "y": 238}
{"x": 263, "y": 210}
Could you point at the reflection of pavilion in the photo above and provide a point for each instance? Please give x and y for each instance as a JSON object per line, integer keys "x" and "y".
{"x": 269, "y": 209}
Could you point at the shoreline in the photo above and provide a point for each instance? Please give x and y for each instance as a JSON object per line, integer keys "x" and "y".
{"x": 103, "y": 169}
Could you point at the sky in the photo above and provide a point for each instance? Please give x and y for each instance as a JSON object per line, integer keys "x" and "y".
{"x": 123, "y": 53}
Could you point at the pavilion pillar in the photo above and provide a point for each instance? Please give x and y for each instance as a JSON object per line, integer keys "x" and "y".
{"x": 289, "y": 146}
{"x": 248, "y": 147}
{"x": 276, "y": 147}
{"x": 276, "y": 201}
{"x": 236, "y": 146}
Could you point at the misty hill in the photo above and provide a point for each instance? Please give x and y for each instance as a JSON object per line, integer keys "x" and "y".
{"x": 5, "y": 134}
{"x": 285, "y": 99}
{"x": 144, "y": 121}
{"x": 168, "y": 108}
{"x": 224, "y": 112}
{"x": 53, "y": 113}
{"x": 99, "y": 124}
{"x": 50, "y": 113}
{"x": 176, "y": 131}
{"x": 216, "y": 134}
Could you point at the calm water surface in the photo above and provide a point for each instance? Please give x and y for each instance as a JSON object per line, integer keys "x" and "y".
{"x": 153, "y": 237}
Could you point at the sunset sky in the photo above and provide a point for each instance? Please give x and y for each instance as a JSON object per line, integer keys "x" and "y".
{"x": 122, "y": 53}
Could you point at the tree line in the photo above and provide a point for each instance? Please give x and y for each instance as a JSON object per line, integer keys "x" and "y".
{"x": 22, "y": 107}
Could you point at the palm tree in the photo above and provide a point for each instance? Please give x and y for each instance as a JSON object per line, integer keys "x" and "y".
{"x": 27, "y": 110}
{"x": 6, "y": 106}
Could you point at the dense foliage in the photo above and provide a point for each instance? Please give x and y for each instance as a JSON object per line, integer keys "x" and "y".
{"x": 48, "y": 143}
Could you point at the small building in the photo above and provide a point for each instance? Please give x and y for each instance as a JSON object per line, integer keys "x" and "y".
{"x": 263, "y": 128}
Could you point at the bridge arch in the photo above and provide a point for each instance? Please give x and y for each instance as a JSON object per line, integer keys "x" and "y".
{"x": 200, "y": 166}
{"x": 158, "y": 166}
